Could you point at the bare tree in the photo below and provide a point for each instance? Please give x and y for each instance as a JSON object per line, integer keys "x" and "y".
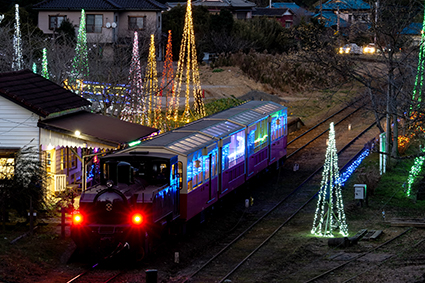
{"x": 388, "y": 77}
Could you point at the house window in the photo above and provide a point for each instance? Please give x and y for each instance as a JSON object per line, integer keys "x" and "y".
{"x": 63, "y": 159}
{"x": 135, "y": 23}
{"x": 7, "y": 168}
{"x": 288, "y": 24}
{"x": 94, "y": 23}
{"x": 55, "y": 21}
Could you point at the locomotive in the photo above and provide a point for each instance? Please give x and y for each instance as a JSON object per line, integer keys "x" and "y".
{"x": 177, "y": 175}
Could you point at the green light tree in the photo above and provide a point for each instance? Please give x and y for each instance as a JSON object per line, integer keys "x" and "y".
{"x": 44, "y": 70}
{"x": 330, "y": 209}
{"x": 80, "y": 66}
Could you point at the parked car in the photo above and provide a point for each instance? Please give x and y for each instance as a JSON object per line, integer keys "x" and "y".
{"x": 369, "y": 49}
{"x": 351, "y": 48}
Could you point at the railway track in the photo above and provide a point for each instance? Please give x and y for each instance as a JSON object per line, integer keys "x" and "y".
{"x": 100, "y": 271}
{"x": 225, "y": 264}
{"x": 353, "y": 258}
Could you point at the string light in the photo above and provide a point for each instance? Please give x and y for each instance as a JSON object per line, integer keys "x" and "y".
{"x": 34, "y": 68}
{"x": 132, "y": 111}
{"x": 80, "y": 67}
{"x": 188, "y": 60}
{"x": 353, "y": 166}
{"x": 167, "y": 84}
{"x": 151, "y": 83}
{"x": 17, "y": 62}
{"x": 44, "y": 71}
{"x": 330, "y": 209}
{"x": 415, "y": 170}
{"x": 417, "y": 90}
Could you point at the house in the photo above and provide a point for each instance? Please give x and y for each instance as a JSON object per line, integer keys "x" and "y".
{"x": 299, "y": 13}
{"x": 349, "y": 12}
{"x": 106, "y": 21}
{"x": 240, "y": 9}
{"x": 283, "y": 15}
{"x": 37, "y": 112}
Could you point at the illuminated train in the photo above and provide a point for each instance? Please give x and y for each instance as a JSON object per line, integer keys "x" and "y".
{"x": 179, "y": 174}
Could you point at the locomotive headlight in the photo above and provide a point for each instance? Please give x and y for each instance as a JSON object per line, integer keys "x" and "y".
{"x": 77, "y": 218}
{"x": 137, "y": 218}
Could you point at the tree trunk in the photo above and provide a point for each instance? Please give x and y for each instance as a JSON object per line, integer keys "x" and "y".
{"x": 394, "y": 151}
{"x": 377, "y": 118}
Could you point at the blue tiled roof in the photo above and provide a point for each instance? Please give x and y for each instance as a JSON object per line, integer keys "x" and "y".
{"x": 344, "y": 5}
{"x": 99, "y": 5}
{"x": 291, "y": 6}
{"x": 331, "y": 19}
{"x": 412, "y": 29}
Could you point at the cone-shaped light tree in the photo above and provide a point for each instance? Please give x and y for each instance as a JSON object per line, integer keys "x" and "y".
{"x": 187, "y": 67}
{"x": 132, "y": 110}
{"x": 150, "y": 85}
{"x": 17, "y": 60}
{"x": 80, "y": 63}
{"x": 167, "y": 83}
{"x": 330, "y": 213}
{"x": 44, "y": 70}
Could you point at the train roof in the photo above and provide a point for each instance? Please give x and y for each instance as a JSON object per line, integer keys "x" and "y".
{"x": 263, "y": 107}
{"x": 212, "y": 128}
{"x": 134, "y": 151}
{"x": 180, "y": 142}
{"x": 241, "y": 116}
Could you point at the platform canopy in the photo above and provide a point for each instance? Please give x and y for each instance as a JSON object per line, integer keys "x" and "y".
{"x": 85, "y": 129}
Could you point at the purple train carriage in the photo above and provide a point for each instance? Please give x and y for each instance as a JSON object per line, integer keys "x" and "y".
{"x": 179, "y": 174}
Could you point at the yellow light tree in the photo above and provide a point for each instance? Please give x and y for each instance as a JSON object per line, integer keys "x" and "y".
{"x": 151, "y": 86}
{"x": 187, "y": 67}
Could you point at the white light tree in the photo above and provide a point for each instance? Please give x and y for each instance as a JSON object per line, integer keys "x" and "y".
{"x": 17, "y": 63}
{"x": 330, "y": 208}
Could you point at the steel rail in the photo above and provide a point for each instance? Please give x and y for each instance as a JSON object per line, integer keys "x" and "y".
{"x": 321, "y": 134}
{"x": 324, "y": 120}
{"x": 271, "y": 210}
{"x": 357, "y": 257}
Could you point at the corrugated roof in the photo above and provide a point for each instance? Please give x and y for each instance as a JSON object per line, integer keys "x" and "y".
{"x": 38, "y": 94}
{"x": 181, "y": 142}
{"x": 100, "y": 5}
{"x": 96, "y": 127}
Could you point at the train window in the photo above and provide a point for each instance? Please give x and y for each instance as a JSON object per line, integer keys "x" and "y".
{"x": 197, "y": 170}
{"x": 214, "y": 163}
{"x": 189, "y": 173}
{"x": 180, "y": 174}
{"x": 237, "y": 149}
{"x": 225, "y": 156}
{"x": 110, "y": 171}
{"x": 257, "y": 136}
{"x": 124, "y": 172}
{"x": 207, "y": 166}
{"x": 278, "y": 125}
{"x": 160, "y": 173}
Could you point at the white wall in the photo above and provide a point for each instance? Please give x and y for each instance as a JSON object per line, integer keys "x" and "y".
{"x": 18, "y": 126}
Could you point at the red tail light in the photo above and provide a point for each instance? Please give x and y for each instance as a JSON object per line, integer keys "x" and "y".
{"x": 77, "y": 218}
{"x": 137, "y": 218}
